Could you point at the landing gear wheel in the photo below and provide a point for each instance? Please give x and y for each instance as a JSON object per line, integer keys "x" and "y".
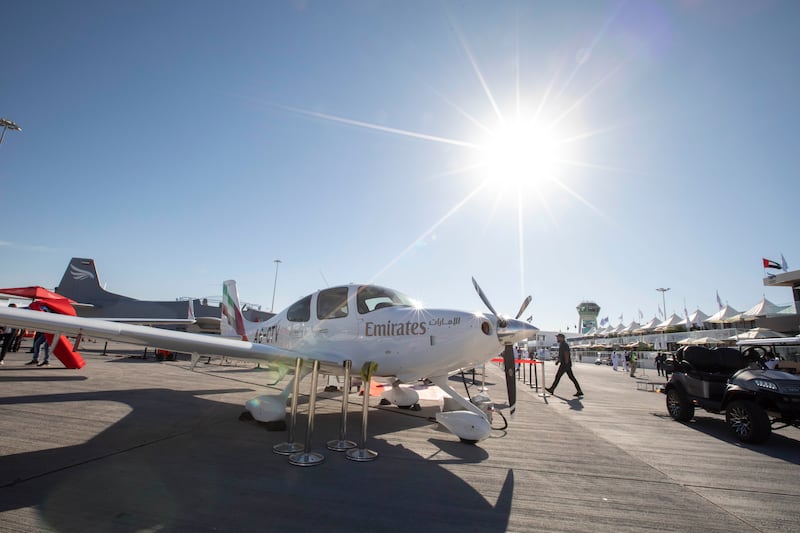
{"x": 678, "y": 405}
{"x": 748, "y": 421}
{"x": 467, "y": 441}
{"x": 412, "y": 407}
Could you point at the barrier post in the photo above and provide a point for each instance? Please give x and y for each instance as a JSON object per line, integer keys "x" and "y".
{"x": 543, "y": 394}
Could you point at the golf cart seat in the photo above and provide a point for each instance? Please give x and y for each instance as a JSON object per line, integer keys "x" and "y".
{"x": 720, "y": 361}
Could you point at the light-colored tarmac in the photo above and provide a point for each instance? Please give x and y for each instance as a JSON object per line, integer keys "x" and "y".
{"x": 130, "y": 445}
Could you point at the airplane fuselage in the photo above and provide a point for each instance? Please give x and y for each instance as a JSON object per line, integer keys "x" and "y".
{"x": 369, "y": 323}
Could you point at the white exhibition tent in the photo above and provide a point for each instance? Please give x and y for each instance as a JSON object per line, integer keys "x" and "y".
{"x": 763, "y": 308}
{"x": 723, "y": 315}
{"x": 700, "y": 341}
{"x": 630, "y": 328}
{"x": 671, "y": 322}
{"x": 757, "y": 333}
{"x": 617, "y": 330}
{"x": 697, "y": 318}
{"x": 649, "y": 326}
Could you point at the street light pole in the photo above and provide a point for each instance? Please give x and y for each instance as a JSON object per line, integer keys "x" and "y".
{"x": 663, "y": 291}
{"x": 7, "y": 125}
{"x": 275, "y": 285}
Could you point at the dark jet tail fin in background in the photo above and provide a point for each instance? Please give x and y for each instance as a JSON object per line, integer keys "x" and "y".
{"x": 81, "y": 282}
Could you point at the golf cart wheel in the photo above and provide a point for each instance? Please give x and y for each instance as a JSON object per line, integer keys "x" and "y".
{"x": 748, "y": 421}
{"x": 678, "y": 405}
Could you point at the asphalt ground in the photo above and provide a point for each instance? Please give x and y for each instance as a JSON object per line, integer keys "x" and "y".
{"x": 126, "y": 444}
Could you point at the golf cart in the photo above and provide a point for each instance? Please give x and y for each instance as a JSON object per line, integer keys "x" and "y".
{"x": 736, "y": 383}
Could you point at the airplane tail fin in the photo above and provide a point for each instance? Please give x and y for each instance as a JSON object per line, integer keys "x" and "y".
{"x": 82, "y": 283}
{"x": 232, "y": 320}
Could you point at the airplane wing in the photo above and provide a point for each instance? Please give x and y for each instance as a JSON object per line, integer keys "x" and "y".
{"x": 152, "y": 321}
{"x": 158, "y": 338}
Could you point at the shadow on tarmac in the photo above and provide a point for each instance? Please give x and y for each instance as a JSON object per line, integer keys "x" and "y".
{"x": 176, "y": 460}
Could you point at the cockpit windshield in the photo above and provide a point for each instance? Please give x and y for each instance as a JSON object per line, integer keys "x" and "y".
{"x": 371, "y": 297}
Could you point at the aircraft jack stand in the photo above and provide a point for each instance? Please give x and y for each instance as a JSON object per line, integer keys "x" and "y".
{"x": 307, "y": 457}
{"x": 362, "y": 454}
{"x": 341, "y": 444}
{"x": 290, "y": 446}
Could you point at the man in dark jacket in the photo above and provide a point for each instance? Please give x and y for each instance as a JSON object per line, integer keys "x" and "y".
{"x": 564, "y": 366}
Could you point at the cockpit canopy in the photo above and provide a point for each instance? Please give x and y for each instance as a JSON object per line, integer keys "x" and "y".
{"x": 335, "y": 302}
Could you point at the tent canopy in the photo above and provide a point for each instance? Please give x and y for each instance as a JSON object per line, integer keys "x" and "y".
{"x": 757, "y": 333}
{"x": 700, "y": 341}
{"x": 649, "y": 326}
{"x": 722, "y": 315}
{"x": 763, "y": 308}
{"x": 672, "y": 322}
{"x": 33, "y": 292}
{"x": 697, "y": 318}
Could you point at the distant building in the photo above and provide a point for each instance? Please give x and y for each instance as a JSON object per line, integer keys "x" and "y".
{"x": 587, "y": 316}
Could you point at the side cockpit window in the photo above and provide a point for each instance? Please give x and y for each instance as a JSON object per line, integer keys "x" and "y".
{"x": 332, "y": 303}
{"x": 300, "y": 311}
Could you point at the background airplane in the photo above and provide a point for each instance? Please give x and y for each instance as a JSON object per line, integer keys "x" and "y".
{"x": 81, "y": 283}
{"x": 359, "y": 323}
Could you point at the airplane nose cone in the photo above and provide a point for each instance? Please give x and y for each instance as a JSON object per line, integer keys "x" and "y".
{"x": 515, "y": 331}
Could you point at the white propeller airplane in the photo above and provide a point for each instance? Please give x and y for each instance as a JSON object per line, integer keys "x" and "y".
{"x": 360, "y": 323}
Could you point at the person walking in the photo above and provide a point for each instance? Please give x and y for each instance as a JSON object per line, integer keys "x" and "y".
{"x": 633, "y": 364}
{"x": 564, "y": 363}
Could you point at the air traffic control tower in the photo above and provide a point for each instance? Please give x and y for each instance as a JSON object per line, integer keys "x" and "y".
{"x": 587, "y": 313}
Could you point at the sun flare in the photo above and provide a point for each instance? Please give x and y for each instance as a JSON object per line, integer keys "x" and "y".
{"x": 521, "y": 155}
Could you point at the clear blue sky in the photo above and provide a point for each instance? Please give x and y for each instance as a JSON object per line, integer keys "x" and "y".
{"x": 182, "y": 143}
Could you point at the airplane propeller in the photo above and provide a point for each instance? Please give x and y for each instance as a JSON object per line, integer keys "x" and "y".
{"x": 506, "y": 332}
{"x": 525, "y": 304}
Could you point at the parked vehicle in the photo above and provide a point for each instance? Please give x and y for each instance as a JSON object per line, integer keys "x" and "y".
{"x": 735, "y": 383}
{"x": 603, "y": 359}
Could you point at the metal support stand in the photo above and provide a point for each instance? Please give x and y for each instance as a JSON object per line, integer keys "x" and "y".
{"x": 290, "y": 446}
{"x": 342, "y": 444}
{"x": 361, "y": 453}
{"x": 543, "y": 394}
{"x": 307, "y": 457}
{"x": 483, "y": 379}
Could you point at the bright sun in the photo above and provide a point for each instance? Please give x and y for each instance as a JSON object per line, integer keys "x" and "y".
{"x": 521, "y": 155}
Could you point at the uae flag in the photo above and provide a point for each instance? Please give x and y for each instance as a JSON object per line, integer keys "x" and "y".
{"x": 771, "y": 264}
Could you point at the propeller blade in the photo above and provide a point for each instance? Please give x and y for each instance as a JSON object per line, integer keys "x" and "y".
{"x": 511, "y": 377}
{"x": 500, "y": 321}
{"x": 483, "y": 297}
{"x": 525, "y": 305}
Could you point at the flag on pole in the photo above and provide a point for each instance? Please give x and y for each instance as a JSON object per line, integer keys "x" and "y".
{"x": 769, "y": 263}
{"x": 719, "y": 302}
{"x": 688, "y": 322}
{"x": 620, "y": 318}
{"x": 784, "y": 266}
{"x": 641, "y": 316}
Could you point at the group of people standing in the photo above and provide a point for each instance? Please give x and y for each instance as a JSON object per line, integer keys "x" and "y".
{"x": 12, "y": 338}
{"x": 627, "y": 360}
